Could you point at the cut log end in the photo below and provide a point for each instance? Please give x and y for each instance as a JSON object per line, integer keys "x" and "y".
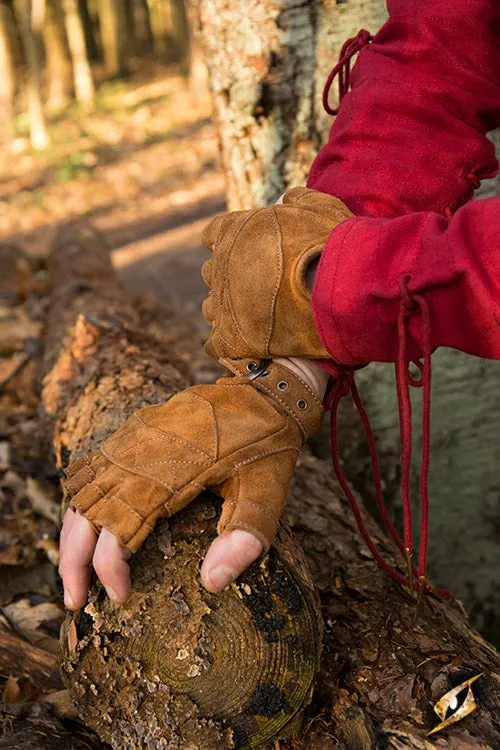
{"x": 231, "y": 670}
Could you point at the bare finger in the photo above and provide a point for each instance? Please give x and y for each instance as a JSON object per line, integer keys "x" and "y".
{"x": 78, "y": 540}
{"x": 228, "y": 556}
{"x": 110, "y": 565}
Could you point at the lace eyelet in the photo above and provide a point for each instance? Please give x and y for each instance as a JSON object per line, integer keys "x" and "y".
{"x": 302, "y": 404}
{"x": 282, "y": 385}
{"x": 251, "y": 366}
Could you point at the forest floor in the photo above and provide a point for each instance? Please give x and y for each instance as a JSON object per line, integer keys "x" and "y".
{"x": 144, "y": 168}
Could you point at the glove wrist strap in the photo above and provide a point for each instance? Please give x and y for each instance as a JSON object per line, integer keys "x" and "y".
{"x": 290, "y": 392}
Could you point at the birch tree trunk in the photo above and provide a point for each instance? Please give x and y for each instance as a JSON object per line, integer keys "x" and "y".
{"x": 84, "y": 83}
{"x": 268, "y": 60}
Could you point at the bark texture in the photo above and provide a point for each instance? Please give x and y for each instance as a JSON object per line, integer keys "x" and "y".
{"x": 267, "y": 61}
{"x": 382, "y": 668}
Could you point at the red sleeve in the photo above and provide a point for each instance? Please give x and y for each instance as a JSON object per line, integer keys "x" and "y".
{"x": 454, "y": 265}
{"x": 410, "y": 135}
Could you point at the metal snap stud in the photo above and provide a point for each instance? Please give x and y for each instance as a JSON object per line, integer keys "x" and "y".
{"x": 251, "y": 366}
{"x": 283, "y": 385}
{"x": 302, "y": 404}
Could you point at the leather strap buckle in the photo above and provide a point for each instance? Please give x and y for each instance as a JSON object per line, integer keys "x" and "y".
{"x": 259, "y": 371}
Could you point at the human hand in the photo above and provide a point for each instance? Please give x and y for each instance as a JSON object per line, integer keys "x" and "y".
{"x": 239, "y": 437}
{"x": 259, "y": 303}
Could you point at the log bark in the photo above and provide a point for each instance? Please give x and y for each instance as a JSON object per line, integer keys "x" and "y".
{"x": 26, "y": 660}
{"x": 382, "y": 667}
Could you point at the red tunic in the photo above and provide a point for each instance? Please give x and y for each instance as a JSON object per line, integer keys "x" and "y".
{"x": 420, "y": 266}
{"x": 411, "y": 136}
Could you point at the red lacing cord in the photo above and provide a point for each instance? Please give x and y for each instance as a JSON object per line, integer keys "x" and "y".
{"x": 343, "y": 385}
{"x": 343, "y": 68}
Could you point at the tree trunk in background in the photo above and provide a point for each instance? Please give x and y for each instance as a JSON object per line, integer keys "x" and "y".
{"x": 180, "y": 33}
{"x": 60, "y": 75}
{"x": 112, "y": 25}
{"x": 197, "y": 69}
{"x": 267, "y": 91}
{"x": 90, "y": 24}
{"x": 15, "y": 35}
{"x": 159, "y": 13}
{"x": 84, "y": 83}
{"x": 130, "y": 28}
{"x": 7, "y": 78}
{"x": 267, "y": 100}
{"x": 31, "y": 23}
{"x": 144, "y": 32}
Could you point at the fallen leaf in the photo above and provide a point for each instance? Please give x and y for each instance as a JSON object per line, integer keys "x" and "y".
{"x": 51, "y": 549}
{"x": 72, "y": 636}
{"x": 453, "y": 707}
{"x": 11, "y": 691}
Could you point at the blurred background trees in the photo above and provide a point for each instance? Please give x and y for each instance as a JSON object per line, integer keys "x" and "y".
{"x": 54, "y": 52}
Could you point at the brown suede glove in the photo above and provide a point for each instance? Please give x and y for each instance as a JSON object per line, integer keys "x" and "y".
{"x": 259, "y": 303}
{"x": 240, "y": 437}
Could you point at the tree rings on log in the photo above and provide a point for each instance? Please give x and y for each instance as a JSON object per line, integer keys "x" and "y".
{"x": 178, "y": 667}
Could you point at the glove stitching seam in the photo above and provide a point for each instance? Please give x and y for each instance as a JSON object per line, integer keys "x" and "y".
{"x": 279, "y": 254}
{"x": 215, "y": 436}
{"x": 238, "y": 352}
{"x": 273, "y": 452}
{"x": 116, "y": 497}
{"x": 225, "y": 263}
{"x": 239, "y": 503}
{"x": 70, "y": 480}
{"x": 170, "y": 436}
{"x": 174, "y": 461}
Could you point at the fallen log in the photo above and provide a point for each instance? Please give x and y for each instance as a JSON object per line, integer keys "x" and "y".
{"x": 162, "y": 668}
{"x": 382, "y": 668}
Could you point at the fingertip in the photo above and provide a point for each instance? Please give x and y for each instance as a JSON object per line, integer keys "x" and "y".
{"x": 228, "y": 556}
{"x": 246, "y": 543}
